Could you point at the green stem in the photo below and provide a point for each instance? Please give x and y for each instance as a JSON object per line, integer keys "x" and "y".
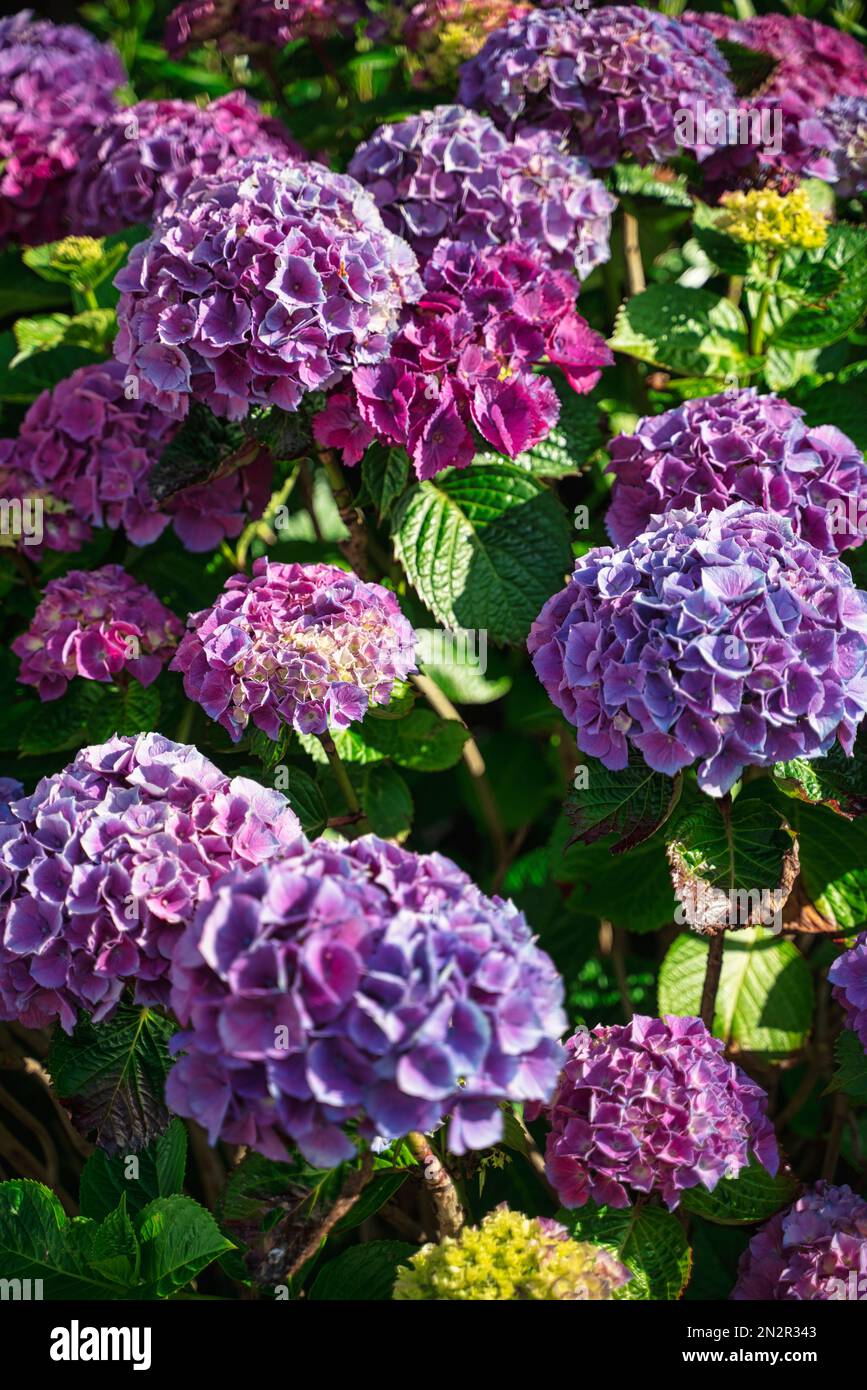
{"x": 757, "y": 339}
{"x": 186, "y": 723}
{"x": 744, "y": 9}
{"x": 355, "y": 547}
{"x": 264, "y": 526}
{"x": 341, "y": 777}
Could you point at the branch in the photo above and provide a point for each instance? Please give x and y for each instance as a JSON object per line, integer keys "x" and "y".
{"x": 355, "y": 548}
{"x": 352, "y": 1190}
{"x": 712, "y": 979}
{"x": 443, "y": 1193}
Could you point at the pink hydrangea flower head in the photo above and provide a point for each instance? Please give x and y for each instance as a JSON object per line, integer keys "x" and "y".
{"x": 95, "y": 624}
{"x": 106, "y": 861}
{"x": 241, "y": 26}
{"x": 814, "y": 1250}
{"x": 848, "y": 975}
{"x": 652, "y": 1106}
{"x": 310, "y": 646}
{"x": 360, "y": 982}
{"x": 721, "y": 639}
{"x": 36, "y": 519}
{"x": 301, "y": 282}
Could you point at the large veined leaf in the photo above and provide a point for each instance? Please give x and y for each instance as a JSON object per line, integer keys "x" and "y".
{"x": 386, "y": 801}
{"x": 384, "y": 473}
{"x": 652, "y": 181}
{"x": 732, "y": 864}
{"x": 157, "y": 1171}
{"x": 840, "y": 401}
{"x": 834, "y": 865}
{"x": 605, "y": 884}
{"x": 752, "y": 1196}
{"x": 764, "y": 1003}
{"x": 37, "y": 1241}
{"x": 648, "y": 1240}
{"x": 851, "y": 1075}
{"x": 837, "y": 312}
{"x": 178, "y": 1239}
{"x": 111, "y": 1077}
{"x": 730, "y": 256}
{"x": 835, "y": 781}
{"x": 631, "y": 804}
{"x": 484, "y": 547}
{"x": 690, "y": 332}
{"x": 362, "y": 1272}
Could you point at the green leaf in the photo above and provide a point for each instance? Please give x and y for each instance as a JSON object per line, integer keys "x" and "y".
{"x": 178, "y": 1239}
{"x": 632, "y": 804}
{"x": 835, "y": 781}
{"x": 422, "y": 741}
{"x": 765, "y": 998}
{"x": 691, "y": 332}
{"x": 732, "y": 864}
{"x": 851, "y": 1077}
{"x": 307, "y": 800}
{"x": 750, "y": 68}
{"x": 401, "y": 701}
{"x": 160, "y": 1168}
{"x": 363, "y": 1272}
{"x": 93, "y": 329}
{"x": 37, "y": 1241}
{"x": 652, "y": 181}
{"x": 752, "y": 1196}
{"x": 113, "y": 1249}
{"x": 22, "y": 292}
{"x": 386, "y": 801}
{"x": 842, "y": 309}
{"x": 384, "y": 474}
{"x": 834, "y": 865}
{"x": 648, "y": 1240}
{"x": 39, "y": 373}
{"x": 80, "y": 262}
{"x": 484, "y": 547}
{"x": 111, "y": 1077}
{"x": 457, "y": 663}
{"x": 605, "y": 883}
{"x": 841, "y": 402}
{"x": 727, "y": 254}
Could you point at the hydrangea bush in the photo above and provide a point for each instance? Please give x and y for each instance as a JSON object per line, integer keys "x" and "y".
{"x": 433, "y": 777}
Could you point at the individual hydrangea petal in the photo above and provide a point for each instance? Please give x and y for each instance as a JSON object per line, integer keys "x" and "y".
{"x": 57, "y": 83}
{"x": 846, "y": 117}
{"x": 739, "y": 446}
{"x": 451, "y": 173}
{"x": 242, "y": 26}
{"x": 509, "y": 1256}
{"x": 138, "y": 163}
{"x": 354, "y": 982}
{"x": 610, "y": 78}
{"x": 848, "y": 975}
{"x": 306, "y": 645}
{"x": 723, "y": 637}
{"x": 96, "y": 624}
{"x": 814, "y": 1250}
{"x": 88, "y": 445}
{"x": 301, "y": 283}
{"x": 107, "y": 860}
{"x": 652, "y": 1106}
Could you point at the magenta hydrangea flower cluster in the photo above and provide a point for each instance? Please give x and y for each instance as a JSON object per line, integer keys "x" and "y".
{"x": 307, "y": 645}
{"x": 246, "y": 25}
{"x": 722, "y": 639}
{"x": 846, "y": 117}
{"x": 652, "y": 1106}
{"x": 814, "y": 1250}
{"x": 715, "y": 450}
{"x": 91, "y": 443}
{"x": 57, "y": 83}
{"x": 96, "y": 624}
{"x": 361, "y": 983}
{"x": 465, "y": 357}
{"x": 610, "y": 78}
{"x": 301, "y": 282}
{"x": 142, "y": 160}
{"x": 451, "y": 173}
{"x": 848, "y": 975}
{"x": 103, "y": 865}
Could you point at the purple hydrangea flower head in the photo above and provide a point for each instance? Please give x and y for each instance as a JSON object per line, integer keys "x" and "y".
{"x": 103, "y": 865}
{"x": 143, "y": 159}
{"x": 10, "y": 790}
{"x": 720, "y": 638}
{"x": 451, "y": 173}
{"x": 95, "y": 624}
{"x": 302, "y": 282}
{"x": 715, "y": 450}
{"x": 362, "y": 983}
{"x": 91, "y": 443}
{"x": 814, "y": 1250}
{"x": 307, "y": 645}
{"x": 465, "y": 357}
{"x": 37, "y": 520}
{"x": 241, "y": 26}
{"x": 847, "y": 119}
{"x": 652, "y": 1106}
{"x": 610, "y": 78}
{"x": 848, "y": 975}
{"x": 57, "y": 83}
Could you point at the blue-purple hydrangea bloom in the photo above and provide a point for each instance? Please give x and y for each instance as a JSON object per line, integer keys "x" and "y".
{"x": 846, "y": 117}
{"x": 310, "y": 646}
{"x": 848, "y": 975}
{"x": 722, "y": 639}
{"x": 715, "y": 450}
{"x": 101, "y": 867}
{"x": 652, "y": 1106}
{"x": 814, "y": 1250}
{"x": 611, "y": 79}
{"x": 451, "y": 173}
{"x": 360, "y": 983}
{"x": 301, "y": 282}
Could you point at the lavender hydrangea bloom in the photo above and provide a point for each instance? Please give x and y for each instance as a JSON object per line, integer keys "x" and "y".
{"x": 361, "y": 982}
{"x": 610, "y": 78}
{"x": 301, "y": 283}
{"x": 715, "y": 450}
{"x": 308, "y": 645}
{"x": 451, "y": 173}
{"x": 720, "y": 638}
{"x": 846, "y": 117}
{"x": 95, "y": 623}
{"x": 848, "y": 975}
{"x": 91, "y": 444}
{"x": 143, "y": 159}
{"x": 103, "y": 865}
{"x": 57, "y": 83}
{"x": 241, "y": 26}
{"x": 10, "y": 790}
{"x": 652, "y": 1106}
{"x": 44, "y": 522}
{"x": 815, "y": 1249}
